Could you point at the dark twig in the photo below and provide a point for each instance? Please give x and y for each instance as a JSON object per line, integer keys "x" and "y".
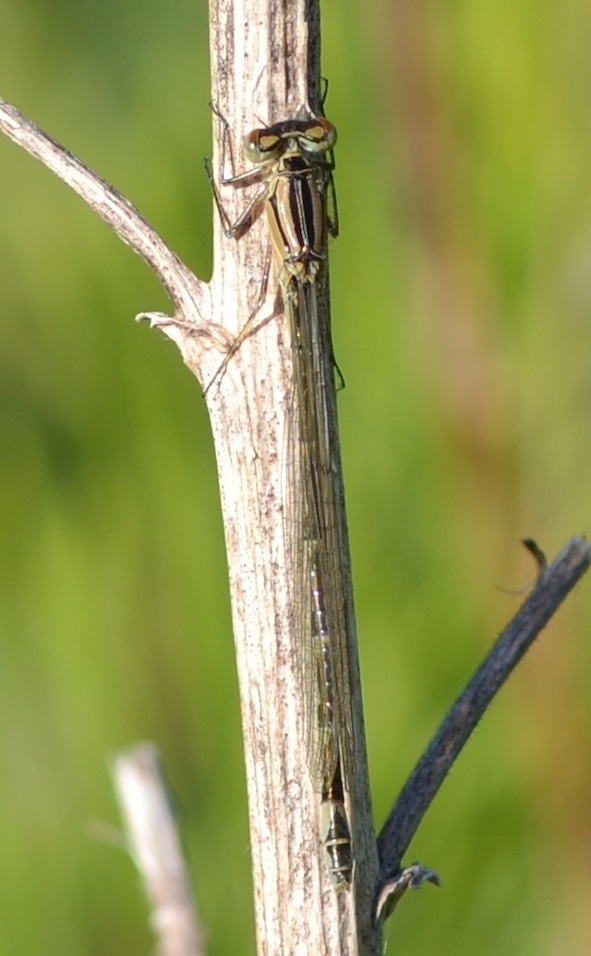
{"x": 553, "y": 584}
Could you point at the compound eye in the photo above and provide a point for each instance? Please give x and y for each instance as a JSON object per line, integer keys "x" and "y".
{"x": 261, "y": 146}
{"x": 319, "y": 136}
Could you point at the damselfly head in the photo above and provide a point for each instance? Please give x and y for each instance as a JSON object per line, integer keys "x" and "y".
{"x": 313, "y": 138}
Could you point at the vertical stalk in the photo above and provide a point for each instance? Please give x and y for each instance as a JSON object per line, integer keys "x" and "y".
{"x": 265, "y": 68}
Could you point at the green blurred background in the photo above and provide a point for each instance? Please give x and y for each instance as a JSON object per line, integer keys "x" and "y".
{"x": 462, "y": 299}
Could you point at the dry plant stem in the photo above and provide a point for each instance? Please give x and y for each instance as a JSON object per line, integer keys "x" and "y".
{"x": 266, "y": 74}
{"x": 155, "y": 846}
{"x": 265, "y": 67}
{"x": 555, "y": 581}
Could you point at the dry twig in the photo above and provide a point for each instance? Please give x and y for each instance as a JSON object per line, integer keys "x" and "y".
{"x": 156, "y": 848}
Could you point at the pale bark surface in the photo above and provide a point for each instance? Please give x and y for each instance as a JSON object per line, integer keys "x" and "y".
{"x": 264, "y": 74}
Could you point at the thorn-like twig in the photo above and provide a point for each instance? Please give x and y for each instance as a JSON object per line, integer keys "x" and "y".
{"x": 410, "y": 878}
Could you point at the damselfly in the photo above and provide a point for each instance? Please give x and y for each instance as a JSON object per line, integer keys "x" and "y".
{"x": 294, "y": 163}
